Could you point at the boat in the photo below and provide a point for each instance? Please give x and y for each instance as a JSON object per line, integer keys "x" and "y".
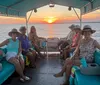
{"x": 43, "y": 75}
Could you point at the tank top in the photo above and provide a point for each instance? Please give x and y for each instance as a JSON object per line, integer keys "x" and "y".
{"x": 13, "y": 46}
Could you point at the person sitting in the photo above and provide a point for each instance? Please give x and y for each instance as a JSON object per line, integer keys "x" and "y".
{"x": 13, "y": 54}
{"x": 35, "y": 40}
{"x": 74, "y": 43}
{"x": 63, "y": 43}
{"x": 85, "y": 48}
{"x": 25, "y": 43}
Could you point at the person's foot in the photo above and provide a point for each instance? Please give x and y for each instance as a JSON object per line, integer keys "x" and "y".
{"x": 58, "y": 75}
{"x": 25, "y": 78}
{"x": 22, "y": 80}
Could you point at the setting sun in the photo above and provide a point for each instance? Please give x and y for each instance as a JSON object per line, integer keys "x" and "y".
{"x": 50, "y": 19}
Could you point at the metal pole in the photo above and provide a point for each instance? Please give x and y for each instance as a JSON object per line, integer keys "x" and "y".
{"x": 30, "y": 15}
{"x": 47, "y": 49}
{"x": 80, "y": 18}
{"x": 27, "y": 20}
{"x": 26, "y": 24}
{"x": 76, "y": 14}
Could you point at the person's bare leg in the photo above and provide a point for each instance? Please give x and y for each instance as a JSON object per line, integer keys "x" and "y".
{"x": 68, "y": 71}
{"x": 65, "y": 54}
{"x": 68, "y": 62}
{"x": 38, "y": 50}
{"x": 17, "y": 65}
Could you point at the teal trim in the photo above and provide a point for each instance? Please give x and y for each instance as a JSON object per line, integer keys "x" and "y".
{"x": 91, "y": 6}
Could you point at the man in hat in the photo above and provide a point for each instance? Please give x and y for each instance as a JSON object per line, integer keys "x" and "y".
{"x": 25, "y": 43}
{"x": 64, "y": 43}
{"x": 74, "y": 42}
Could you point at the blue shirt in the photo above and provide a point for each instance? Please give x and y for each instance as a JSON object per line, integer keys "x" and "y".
{"x": 24, "y": 42}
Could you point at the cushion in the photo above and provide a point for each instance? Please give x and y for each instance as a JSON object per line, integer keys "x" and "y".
{"x": 97, "y": 57}
{"x": 7, "y": 70}
{"x": 2, "y": 54}
{"x": 81, "y": 79}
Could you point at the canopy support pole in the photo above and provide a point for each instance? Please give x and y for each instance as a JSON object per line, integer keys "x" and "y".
{"x": 27, "y": 20}
{"x": 79, "y": 17}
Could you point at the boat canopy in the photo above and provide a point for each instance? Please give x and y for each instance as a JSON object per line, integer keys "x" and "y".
{"x": 19, "y": 8}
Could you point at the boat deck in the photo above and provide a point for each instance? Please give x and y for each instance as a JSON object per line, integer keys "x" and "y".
{"x": 43, "y": 74}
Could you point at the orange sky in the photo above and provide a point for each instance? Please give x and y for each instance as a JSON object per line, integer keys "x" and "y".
{"x": 56, "y": 14}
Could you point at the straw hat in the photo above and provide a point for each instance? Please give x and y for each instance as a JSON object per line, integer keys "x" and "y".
{"x": 72, "y": 26}
{"x": 88, "y": 28}
{"x": 13, "y": 31}
{"x": 22, "y": 28}
{"x": 77, "y": 27}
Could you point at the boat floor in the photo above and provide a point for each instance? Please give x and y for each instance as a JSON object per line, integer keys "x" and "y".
{"x": 43, "y": 74}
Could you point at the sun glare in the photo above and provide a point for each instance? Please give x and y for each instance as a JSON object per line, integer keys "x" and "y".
{"x": 50, "y": 19}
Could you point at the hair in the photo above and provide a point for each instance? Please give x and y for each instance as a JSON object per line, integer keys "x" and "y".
{"x": 33, "y": 28}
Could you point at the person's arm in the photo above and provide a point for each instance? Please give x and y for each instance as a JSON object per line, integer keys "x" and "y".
{"x": 29, "y": 36}
{"x": 20, "y": 48}
{"x": 97, "y": 44}
{"x": 76, "y": 52}
{"x": 4, "y": 43}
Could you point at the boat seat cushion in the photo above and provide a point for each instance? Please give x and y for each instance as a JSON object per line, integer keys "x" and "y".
{"x": 81, "y": 79}
{"x": 97, "y": 57}
{"x": 7, "y": 70}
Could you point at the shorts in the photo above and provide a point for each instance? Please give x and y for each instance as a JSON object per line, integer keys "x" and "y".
{"x": 11, "y": 55}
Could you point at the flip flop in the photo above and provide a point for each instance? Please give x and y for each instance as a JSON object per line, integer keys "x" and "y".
{"x": 22, "y": 80}
{"x": 27, "y": 78}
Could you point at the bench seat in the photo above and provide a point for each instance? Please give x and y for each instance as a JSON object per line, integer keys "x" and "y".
{"x": 81, "y": 79}
{"x": 7, "y": 70}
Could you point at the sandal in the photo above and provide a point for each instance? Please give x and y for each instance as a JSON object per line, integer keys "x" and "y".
{"x": 22, "y": 80}
{"x": 58, "y": 75}
{"x": 27, "y": 78}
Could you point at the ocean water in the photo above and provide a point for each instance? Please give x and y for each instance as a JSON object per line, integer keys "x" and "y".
{"x": 48, "y": 30}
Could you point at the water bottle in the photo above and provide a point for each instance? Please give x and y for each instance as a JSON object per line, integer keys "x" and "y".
{"x": 83, "y": 62}
{"x": 0, "y": 66}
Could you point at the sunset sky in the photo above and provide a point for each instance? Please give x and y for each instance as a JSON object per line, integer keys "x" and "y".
{"x": 58, "y": 14}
